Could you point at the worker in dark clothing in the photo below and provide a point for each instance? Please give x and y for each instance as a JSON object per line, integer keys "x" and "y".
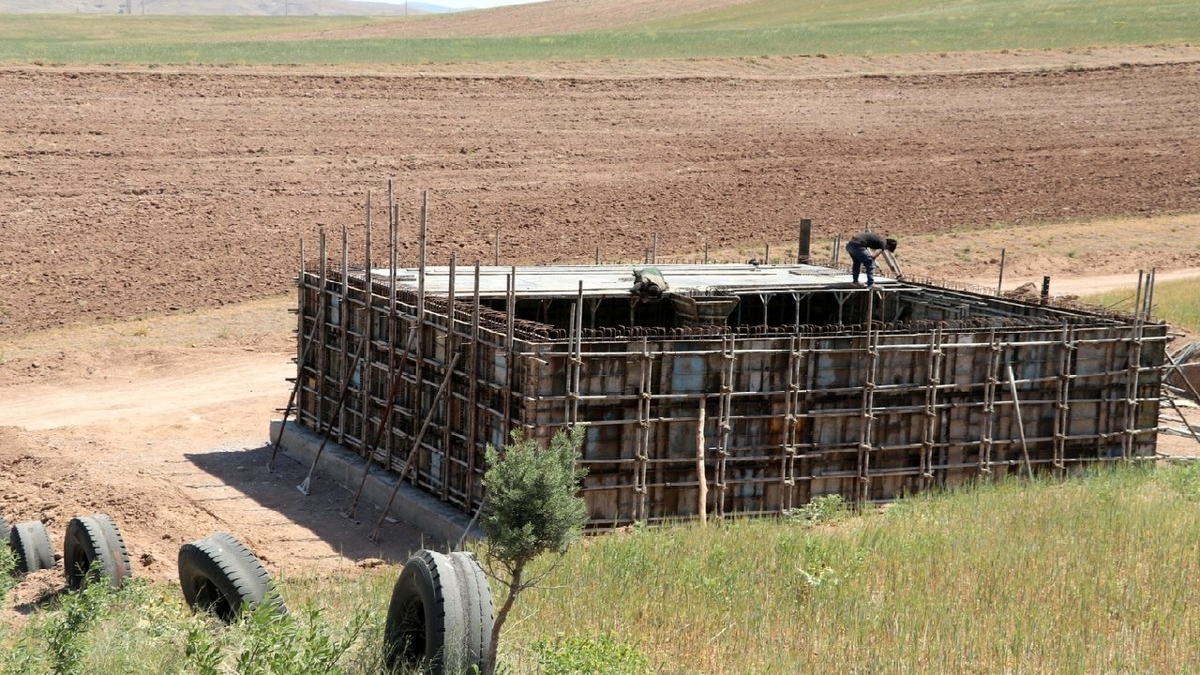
{"x": 859, "y": 248}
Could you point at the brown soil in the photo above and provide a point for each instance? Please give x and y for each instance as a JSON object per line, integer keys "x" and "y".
{"x": 151, "y": 223}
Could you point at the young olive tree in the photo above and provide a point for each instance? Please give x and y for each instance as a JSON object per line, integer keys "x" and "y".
{"x": 531, "y": 508}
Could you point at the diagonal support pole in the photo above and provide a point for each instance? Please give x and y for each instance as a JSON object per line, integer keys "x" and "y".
{"x": 303, "y": 486}
{"x": 412, "y": 455}
{"x": 312, "y": 336}
{"x": 369, "y": 448}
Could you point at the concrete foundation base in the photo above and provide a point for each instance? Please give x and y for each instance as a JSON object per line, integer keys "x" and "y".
{"x": 438, "y": 521}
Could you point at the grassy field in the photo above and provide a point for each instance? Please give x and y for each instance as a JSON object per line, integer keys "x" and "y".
{"x": 763, "y": 28}
{"x": 1091, "y": 575}
{"x": 1176, "y": 302}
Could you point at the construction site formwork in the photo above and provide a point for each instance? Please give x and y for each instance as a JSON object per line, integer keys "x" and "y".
{"x": 747, "y": 389}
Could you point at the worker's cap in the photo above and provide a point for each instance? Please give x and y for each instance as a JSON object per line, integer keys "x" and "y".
{"x": 891, "y": 245}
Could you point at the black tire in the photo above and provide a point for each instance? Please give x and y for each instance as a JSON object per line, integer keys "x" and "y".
{"x": 31, "y": 542}
{"x": 425, "y": 621}
{"x": 478, "y": 610}
{"x": 218, "y": 574}
{"x": 95, "y": 540}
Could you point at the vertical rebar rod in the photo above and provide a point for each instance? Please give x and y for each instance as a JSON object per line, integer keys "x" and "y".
{"x": 451, "y": 348}
{"x": 866, "y": 431}
{"x": 1062, "y": 418}
{"x": 790, "y": 420}
{"x": 368, "y": 329}
{"x": 725, "y": 427}
{"x": 643, "y": 451}
{"x": 393, "y": 317}
{"x": 301, "y": 329}
{"x": 323, "y": 297}
{"x": 419, "y": 353}
{"x": 569, "y": 366}
{"x": 510, "y": 333}
{"x": 344, "y": 325}
{"x": 989, "y": 405}
{"x": 578, "y": 357}
{"x": 1135, "y": 362}
{"x": 473, "y": 373}
{"x": 933, "y": 359}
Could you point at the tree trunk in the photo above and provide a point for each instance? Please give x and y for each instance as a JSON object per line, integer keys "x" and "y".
{"x": 514, "y": 587}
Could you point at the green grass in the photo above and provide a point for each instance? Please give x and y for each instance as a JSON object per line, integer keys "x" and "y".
{"x": 1082, "y": 577}
{"x": 1175, "y": 302}
{"x": 757, "y": 29}
{"x": 1090, "y": 575}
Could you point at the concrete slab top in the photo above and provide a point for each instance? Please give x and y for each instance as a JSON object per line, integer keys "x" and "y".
{"x": 617, "y": 280}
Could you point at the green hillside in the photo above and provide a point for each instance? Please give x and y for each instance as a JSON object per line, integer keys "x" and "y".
{"x": 766, "y": 27}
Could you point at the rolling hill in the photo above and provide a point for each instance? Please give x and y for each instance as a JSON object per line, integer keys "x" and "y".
{"x": 219, "y": 7}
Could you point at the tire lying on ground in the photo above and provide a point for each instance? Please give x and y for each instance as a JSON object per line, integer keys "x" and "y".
{"x": 219, "y": 574}
{"x": 94, "y": 549}
{"x": 440, "y": 615}
{"x": 31, "y": 542}
{"x": 478, "y": 611}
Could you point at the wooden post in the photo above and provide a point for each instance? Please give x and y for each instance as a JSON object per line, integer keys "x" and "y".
{"x": 1000, "y": 281}
{"x": 802, "y": 251}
